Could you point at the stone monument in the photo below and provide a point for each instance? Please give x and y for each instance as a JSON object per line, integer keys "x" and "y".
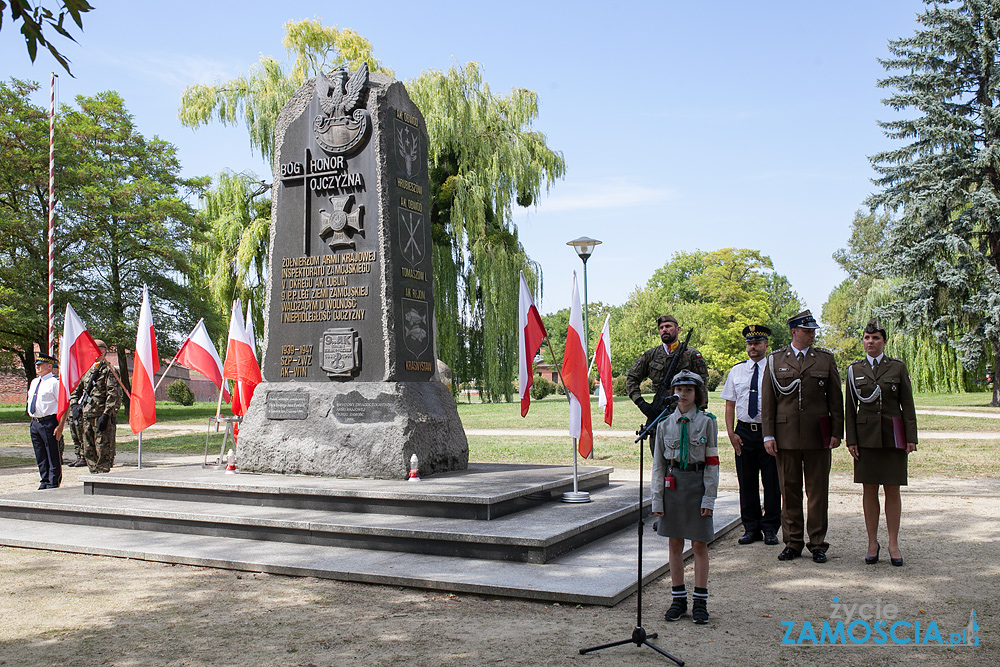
{"x": 350, "y": 384}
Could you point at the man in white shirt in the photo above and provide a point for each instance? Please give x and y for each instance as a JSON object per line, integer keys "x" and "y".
{"x": 741, "y": 393}
{"x": 43, "y": 400}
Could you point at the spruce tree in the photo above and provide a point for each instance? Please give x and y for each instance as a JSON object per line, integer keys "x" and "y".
{"x": 942, "y": 185}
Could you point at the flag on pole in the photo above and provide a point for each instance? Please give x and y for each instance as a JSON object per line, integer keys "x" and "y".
{"x": 142, "y": 407}
{"x": 77, "y": 353}
{"x": 574, "y": 375}
{"x": 602, "y": 359}
{"x": 198, "y": 353}
{"x": 530, "y": 334}
{"x": 241, "y": 363}
{"x": 250, "y": 333}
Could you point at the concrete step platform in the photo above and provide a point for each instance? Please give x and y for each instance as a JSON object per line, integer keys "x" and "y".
{"x": 482, "y": 491}
{"x": 573, "y": 553}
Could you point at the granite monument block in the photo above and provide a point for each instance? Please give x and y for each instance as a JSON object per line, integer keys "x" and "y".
{"x": 350, "y": 383}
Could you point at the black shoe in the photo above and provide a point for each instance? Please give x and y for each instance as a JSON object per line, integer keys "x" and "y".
{"x": 749, "y": 538}
{"x": 819, "y": 556}
{"x": 897, "y": 562}
{"x": 699, "y": 612}
{"x": 871, "y": 560}
{"x": 789, "y": 553}
{"x": 79, "y": 463}
{"x": 42, "y": 487}
{"x": 770, "y": 539}
{"x": 677, "y": 609}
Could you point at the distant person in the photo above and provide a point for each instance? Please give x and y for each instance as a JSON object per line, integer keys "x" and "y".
{"x": 653, "y": 364}
{"x": 45, "y": 430}
{"x": 99, "y": 398}
{"x": 685, "y": 484}
{"x": 802, "y": 414}
{"x": 881, "y": 432}
{"x": 755, "y": 467}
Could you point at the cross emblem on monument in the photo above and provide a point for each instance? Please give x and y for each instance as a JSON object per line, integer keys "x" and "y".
{"x": 339, "y": 226}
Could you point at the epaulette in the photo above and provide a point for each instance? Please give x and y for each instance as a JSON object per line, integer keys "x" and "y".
{"x": 822, "y": 349}
{"x": 886, "y": 356}
{"x": 709, "y": 414}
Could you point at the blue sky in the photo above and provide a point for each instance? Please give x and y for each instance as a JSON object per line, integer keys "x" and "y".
{"x": 684, "y": 125}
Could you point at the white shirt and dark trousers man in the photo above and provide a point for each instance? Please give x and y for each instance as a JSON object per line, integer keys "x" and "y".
{"x": 43, "y": 400}
{"x": 754, "y": 466}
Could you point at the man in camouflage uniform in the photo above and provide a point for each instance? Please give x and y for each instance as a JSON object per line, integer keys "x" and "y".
{"x": 653, "y": 364}
{"x": 98, "y": 397}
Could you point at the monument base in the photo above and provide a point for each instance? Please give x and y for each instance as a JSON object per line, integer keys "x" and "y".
{"x": 356, "y": 429}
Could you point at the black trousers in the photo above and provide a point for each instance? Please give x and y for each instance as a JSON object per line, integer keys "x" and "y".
{"x": 43, "y": 440}
{"x": 753, "y": 464}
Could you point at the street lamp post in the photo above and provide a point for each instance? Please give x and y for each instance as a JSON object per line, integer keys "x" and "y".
{"x": 585, "y": 248}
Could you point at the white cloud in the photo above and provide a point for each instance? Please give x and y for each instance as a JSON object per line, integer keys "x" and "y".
{"x": 613, "y": 193}
{"x": 174, "y": 70}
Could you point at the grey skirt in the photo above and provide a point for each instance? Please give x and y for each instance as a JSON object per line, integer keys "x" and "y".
{"x": 682, "y": 509}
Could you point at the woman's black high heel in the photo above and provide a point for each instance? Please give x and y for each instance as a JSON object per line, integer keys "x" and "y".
{"x": 871, "y": 560}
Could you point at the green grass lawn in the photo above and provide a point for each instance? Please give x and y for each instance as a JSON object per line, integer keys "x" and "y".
{"x": 971, "y": 458}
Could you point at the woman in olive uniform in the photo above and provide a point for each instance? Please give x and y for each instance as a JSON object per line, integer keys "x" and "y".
{"x": 881, "y": 432}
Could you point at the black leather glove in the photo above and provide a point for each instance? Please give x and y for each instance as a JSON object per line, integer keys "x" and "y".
{"x": 102, "y": 423}
{"x": 646, "y": 408}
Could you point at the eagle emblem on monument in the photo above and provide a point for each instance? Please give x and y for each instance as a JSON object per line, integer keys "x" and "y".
{"x": 343, "y": 125}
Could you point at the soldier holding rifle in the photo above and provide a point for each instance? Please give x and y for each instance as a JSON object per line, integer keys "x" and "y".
{"x": 655, "y": 364}
{"x": 94, "y": 404}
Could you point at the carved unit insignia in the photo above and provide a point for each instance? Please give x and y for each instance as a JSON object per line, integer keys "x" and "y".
{"x": 339, "y": 351}
{"x": 411, "y": 234}
{"x": 416, "y": 332}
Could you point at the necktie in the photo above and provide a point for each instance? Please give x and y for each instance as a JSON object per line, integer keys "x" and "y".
{"x": 34, "y": 398}
{"x": 800, "y": 356}
{"x": 752, "y": 407}
{"x": 683, "y": 453}
{"x": 875, "y": 365}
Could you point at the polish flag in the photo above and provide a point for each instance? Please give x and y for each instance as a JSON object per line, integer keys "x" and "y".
{"x": 142, "y": 407}
{"x": 530, "y": 333}
{"x": 241, "y": 363}
{"x": 251, "y": 336}
{"x": 602, "y": 359}
{"x": 198, "y": 354}
{"x": 77, "y": 353}
{"x": 574, "y": 374}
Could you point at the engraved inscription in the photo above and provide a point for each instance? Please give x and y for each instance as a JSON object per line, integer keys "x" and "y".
{"x": 355, "y": 409}
{"x": 287, "y": 404}
{"x": 340, "y": 352}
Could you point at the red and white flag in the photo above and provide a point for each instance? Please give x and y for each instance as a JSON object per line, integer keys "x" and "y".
{"x": 241, "y": 362}
{"x": 530, "y": 334}
{"x": 250, "y": 333}
{"x": 198, "y": 353}
{"x": 77, "y": 353}
{"x": 142, "y": 407}
{"x": 575, "y": 377}
{"x": 602, "y": 359}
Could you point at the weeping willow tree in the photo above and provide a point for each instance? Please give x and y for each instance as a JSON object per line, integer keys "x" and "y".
{"x": 229, "y": 259}
{"x": 484, "y": 157}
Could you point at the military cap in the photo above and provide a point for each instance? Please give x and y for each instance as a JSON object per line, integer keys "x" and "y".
{"x": 666, "y": 318}
{"x": 45, "y": 359}
{"x": 100, "y": 343}
{"x": 753, "y": 332}
{"x": 874, "y": 326}
{"x": 687, "y": 377}
{"x": 803, "y": 320}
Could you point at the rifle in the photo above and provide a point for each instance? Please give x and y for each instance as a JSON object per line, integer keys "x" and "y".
{"x": 85, "y": 399}
{"x": 664, "y": 401}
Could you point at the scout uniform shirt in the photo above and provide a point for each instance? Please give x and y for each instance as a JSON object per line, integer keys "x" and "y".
{"x": 703, "y": 434}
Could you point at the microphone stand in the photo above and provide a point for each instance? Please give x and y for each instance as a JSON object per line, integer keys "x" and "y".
{"x": 639, "y": 635}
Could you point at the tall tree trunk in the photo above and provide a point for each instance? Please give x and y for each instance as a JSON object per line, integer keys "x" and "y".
{"x": 996, "y": 368}
{"x": 126, "y": 378}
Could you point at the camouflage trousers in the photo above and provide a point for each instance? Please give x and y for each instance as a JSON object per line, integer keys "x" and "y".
{"x": 99, "y": 447}
{"x": 76, "y": 431}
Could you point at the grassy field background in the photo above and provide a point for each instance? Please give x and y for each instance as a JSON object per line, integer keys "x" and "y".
{"x": 958, "y": 456}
